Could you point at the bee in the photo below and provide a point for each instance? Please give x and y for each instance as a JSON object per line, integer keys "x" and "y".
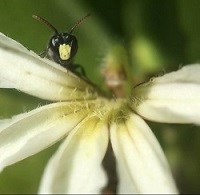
{"x": 62, "y": 46}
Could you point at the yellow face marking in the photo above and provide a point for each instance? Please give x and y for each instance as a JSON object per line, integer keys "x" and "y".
{"x": 64, "y": 51}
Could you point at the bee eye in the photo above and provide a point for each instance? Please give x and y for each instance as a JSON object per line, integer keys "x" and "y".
{"x": 55, "y": 41}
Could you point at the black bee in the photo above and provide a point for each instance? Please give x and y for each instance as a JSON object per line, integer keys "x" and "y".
{"x": 62, "y": 47}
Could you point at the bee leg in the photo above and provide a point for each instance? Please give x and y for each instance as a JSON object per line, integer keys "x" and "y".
{"x": 82, "y": 71}
{"x": 43, "y": 54}
{"x": 74, "y": 68}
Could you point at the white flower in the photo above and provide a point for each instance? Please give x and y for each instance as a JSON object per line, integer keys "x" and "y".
{"x": 87, "y": 121}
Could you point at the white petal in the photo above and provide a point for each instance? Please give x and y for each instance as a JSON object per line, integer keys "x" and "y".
{"x": 76, "y": 167}
{"x": 29, "y": 133}
{"x": 27, "y": 72}
{"x": 172, "y": 98}
{"x": 141, "y": 164}
{"x": 4, "y": 123}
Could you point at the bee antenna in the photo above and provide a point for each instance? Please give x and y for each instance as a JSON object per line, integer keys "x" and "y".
{"x": 45, "y": 22}
{"x": 78, "y": 23}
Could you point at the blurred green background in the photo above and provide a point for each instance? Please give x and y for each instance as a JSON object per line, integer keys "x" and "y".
{"x": 160, "y": 36}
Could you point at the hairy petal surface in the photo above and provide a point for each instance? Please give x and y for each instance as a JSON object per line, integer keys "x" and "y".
{"x": 29, "y": 133}
{"x": 141, "y": 164}
{"x": 76, "y": 167}
{"x": 172, "y": 98}
{"x": 26, "y": 71}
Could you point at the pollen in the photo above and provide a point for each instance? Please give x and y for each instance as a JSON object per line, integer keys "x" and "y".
{"x": 64, "y": 51}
